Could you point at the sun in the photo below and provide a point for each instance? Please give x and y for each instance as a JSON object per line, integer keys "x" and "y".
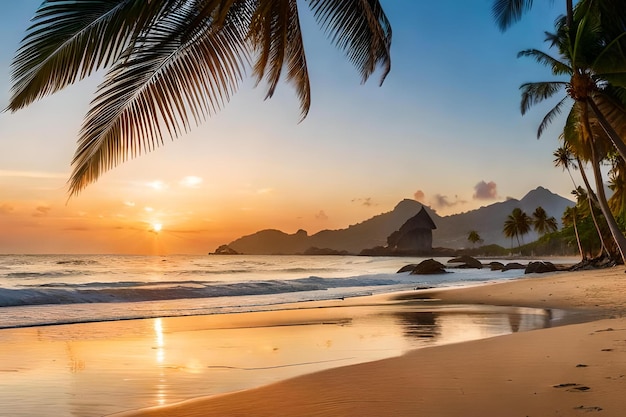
{"x": 157, "y": 227}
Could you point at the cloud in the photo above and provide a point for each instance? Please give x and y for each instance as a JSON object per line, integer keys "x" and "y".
{"x": 485, "y": 191}
{"x": 129, "y": 203}
{"x": 6, "y": 208}
{"x": 41, "y": 211}
{"x": 419, "y": 196}
{"x": 191, "y": 181}
{"x": 157, "y": 185}
{"x": 32, "y": 174}
{"x": 443, "y": 201}
{"x": 321, "y": 216}
{"x": 367, "y": 201}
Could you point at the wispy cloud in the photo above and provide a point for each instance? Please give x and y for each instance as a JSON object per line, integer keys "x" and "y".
{"x": 367, "y": 201}
{"x": 443, "y": 201}
{"x": 6, "y": 208}
{"x": 41, "y": 211}
{"x": 191, "y": 182}
{"x": 321, "y": 216}
{"x": 33, "y": 174}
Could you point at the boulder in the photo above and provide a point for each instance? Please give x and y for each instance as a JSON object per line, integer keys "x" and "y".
{"x": 496, "y": 266}
{"x": 427, "y": 267}
{"x": 540, "y": 267}
{"x": 466, "y": 261}
{"x": 407, "y": 268}
{"x": 513, "y": 265}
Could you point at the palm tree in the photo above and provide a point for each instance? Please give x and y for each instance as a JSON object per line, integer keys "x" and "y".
{"x": 542, "y": 223}
{"x": 584, "y": 61}
{"x": 517, "y": 224}
{"x": 171, "y": 63}
{"x": 474, "y": 237}
{"x": 563, "y": 158}
{"x": 570, "y": 217}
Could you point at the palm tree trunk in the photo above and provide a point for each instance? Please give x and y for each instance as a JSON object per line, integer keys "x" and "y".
{"x": 608, "y": 129}
{"x": 580, "y": 246}
{"x": 590, "y": 196}
{"x": 620, "y": 240}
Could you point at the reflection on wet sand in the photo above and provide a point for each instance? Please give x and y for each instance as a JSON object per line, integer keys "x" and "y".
{"x": 101, "y": 368}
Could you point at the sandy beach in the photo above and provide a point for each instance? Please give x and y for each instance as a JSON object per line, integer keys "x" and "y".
{"x": 570, "y": 370}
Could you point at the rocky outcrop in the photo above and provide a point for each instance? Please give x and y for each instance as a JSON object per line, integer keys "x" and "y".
{"x": 428, "y": 267}
{"x": 406, "y": 268}
{"x": 540, "y": 267}
{"x": 225, "y": 250}
{"x": 513, "y": 265}
{"x": 324, "y": 251}
{"x": 496, "y": 266}
{"x": 466, "y": 262}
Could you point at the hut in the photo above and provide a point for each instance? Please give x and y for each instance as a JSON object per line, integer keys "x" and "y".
{"x": 416, "y": 235}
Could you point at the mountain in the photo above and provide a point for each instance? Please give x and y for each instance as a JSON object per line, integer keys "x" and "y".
{"x": 451, "y": 230}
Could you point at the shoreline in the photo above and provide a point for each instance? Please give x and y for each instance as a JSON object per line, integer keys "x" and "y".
{"x": 564, "y": 370}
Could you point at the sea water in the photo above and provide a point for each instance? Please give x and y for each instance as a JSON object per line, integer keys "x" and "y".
{"x": 54, "y": 289}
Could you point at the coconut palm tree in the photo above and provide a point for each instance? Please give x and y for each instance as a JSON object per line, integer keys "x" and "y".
{"x": 584, "y": 61}
{"x": 474, "y": 237}
{"x": 171, "y": 63}
{"x": 570, "y": 217}
{"x": 517, "y": 224}
{"x": 542, "y": 223}
{"x": 563, "y": 158}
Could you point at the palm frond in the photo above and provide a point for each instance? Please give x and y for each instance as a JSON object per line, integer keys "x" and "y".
{"x": 551, "y": 115}
{"x": 507, "y": 12}
{"x": 361, "y": 29}
{"x": 557, "y": 67}
{"x": 174, "y": 75}
{"x": 276, "y": 36}
{"x": 536, "y": 92}
{"x": 69, "y": 40}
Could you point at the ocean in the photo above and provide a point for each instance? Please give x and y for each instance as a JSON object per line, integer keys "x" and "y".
{"x": 40, "y": 290}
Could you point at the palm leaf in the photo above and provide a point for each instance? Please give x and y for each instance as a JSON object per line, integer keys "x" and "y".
{"x": 551, "y": 115}
{"x": 361, "y": 29}
{"x": 507, "y": 12}
{"x": 557, "y": 67}
{"x": 536, "y": 92}
{"x": 70, "y": 40}
{"x": 276, "y": 36}
{"x": 175, "y": 74}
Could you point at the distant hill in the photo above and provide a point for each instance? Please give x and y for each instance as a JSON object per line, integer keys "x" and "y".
{"x": 451, "y": 230}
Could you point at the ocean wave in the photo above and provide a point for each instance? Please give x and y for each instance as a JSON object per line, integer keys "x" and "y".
{"x": 44, "y": 274}
{"x": 78, "y": 262}
{"x": 97, "y": 292}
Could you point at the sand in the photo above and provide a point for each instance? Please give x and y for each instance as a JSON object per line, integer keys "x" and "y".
{"x": 570, "y": 370}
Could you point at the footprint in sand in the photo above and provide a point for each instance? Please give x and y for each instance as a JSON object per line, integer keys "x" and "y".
{"x": 573, "y": 387}
{"x": 588, "y": 409}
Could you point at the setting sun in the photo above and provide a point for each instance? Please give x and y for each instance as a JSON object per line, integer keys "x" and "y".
{"x": 156, "y": 227}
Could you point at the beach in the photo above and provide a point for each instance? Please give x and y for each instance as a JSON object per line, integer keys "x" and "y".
{"x": 575, "y": 369}
{"x": 543, "y": 345}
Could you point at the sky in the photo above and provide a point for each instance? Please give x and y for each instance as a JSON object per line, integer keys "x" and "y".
{"x": 445, "y": 128}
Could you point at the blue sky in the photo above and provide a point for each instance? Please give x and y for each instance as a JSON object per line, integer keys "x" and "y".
{"x": 445, "y": 127}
